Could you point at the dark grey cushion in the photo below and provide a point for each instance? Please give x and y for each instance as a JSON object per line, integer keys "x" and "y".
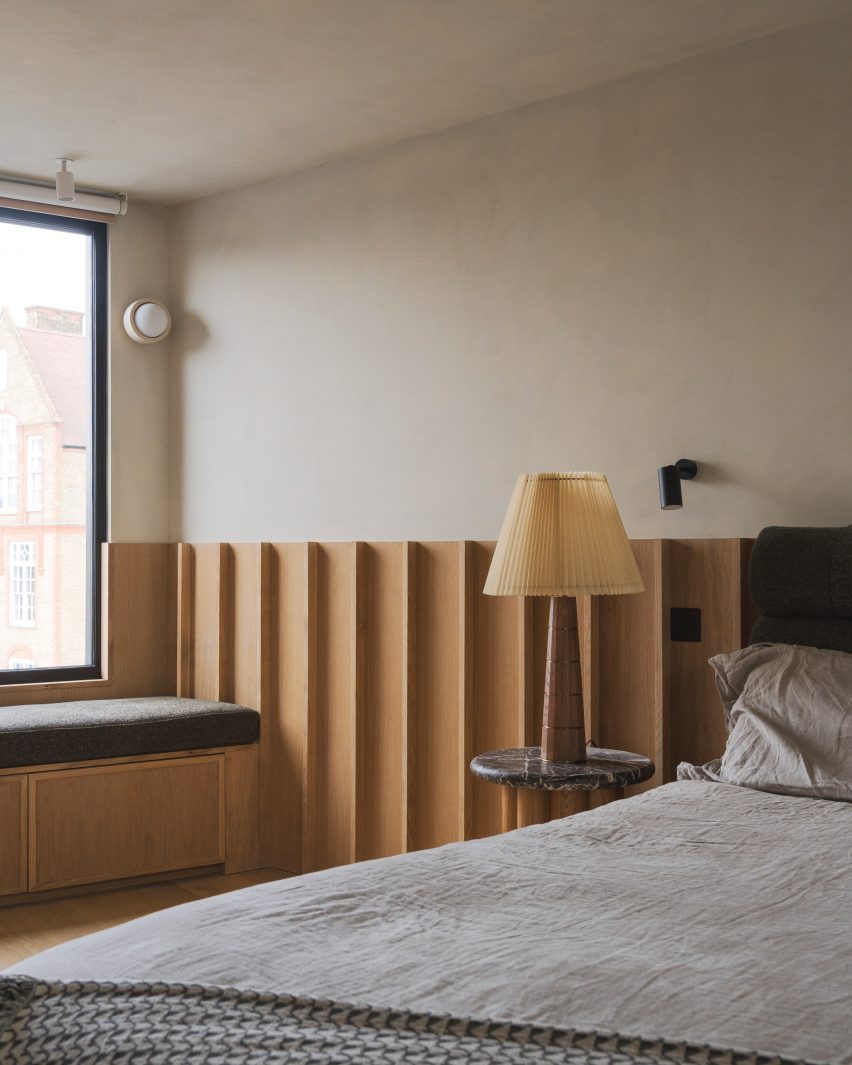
{"x": 801, "y": 581}
{"x": 114, "y": 728}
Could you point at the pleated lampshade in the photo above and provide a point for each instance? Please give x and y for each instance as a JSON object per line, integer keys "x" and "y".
{"x": 562, "y": 535}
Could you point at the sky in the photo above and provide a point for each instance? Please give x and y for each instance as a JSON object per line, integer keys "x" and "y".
{"x": 42, "y": 266}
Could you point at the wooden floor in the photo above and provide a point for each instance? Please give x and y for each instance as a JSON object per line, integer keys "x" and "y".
{"x": 25, "y": 930}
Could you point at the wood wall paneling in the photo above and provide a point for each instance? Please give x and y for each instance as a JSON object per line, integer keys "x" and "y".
{"x": 662, "y": 663}
{"x": 409, "y": 695}
{"x": 359, "y": 828}
{"x": 709, "y": 575}
{"x": 243, "y": 631}
{"x": 381, "y": 797}
{"x": 466, "y": 720}
{"x": 630, "y": 687}
{"x": 288, "y": 730}
{"x": 212, "y": 643}
{"x": 497, "y": 708}
{"x": 333, "y": 798}
{"x": 245, "y": 602}
{"x": 184, "y": 625}
{"x": 388, "y": 669}
{"x": 140, "y": 619}
{"x": 379, "y": 669}
{"x": 434, "y": 758}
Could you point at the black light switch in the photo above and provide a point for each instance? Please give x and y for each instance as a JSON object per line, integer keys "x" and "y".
{"x": 685, "y": 624}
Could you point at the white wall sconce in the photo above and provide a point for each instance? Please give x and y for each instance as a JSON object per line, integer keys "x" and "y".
{"x": 147, "y": 321}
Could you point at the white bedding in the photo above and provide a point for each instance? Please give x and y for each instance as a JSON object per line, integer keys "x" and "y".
{"x": 700, "y": 911}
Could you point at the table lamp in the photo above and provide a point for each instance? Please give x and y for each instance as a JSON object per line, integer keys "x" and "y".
{"x": 563, "y": 537}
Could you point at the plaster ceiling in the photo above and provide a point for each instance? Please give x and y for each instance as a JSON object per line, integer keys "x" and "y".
{"x": 174, "y": 99}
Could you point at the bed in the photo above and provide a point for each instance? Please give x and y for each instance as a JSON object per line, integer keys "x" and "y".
{"x": 702, "y": 913}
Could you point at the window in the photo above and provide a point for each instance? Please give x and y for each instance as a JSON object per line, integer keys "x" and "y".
{"x": 53, "y": 320}
{"x": 22, "y": 578}
{"x": 35, "y": 484}
{"x": 8, "y": 464}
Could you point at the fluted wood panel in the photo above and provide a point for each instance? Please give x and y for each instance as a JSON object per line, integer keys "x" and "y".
{"x": 711, "y": 575}
{"x": 243, "y": 643}
{"x": 288, "y": 735}
{"x": 435, "y": 798}
{"x": 379, "y": 669}
{"x": 632, "y": 673}
{"x": 498, "y": 710}
{"x": 185, "y": 592}
{"x": 336, "y": 686}
{"x": 382, "y": 824}
{"x": 211, "y": 616}
{"x": 245, "y": 646}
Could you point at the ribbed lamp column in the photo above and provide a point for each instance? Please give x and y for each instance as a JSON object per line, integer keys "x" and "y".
{"x": 563, "y": 537}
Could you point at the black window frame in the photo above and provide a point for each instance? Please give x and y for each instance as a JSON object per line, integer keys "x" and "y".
{"x": 97, "y": 500}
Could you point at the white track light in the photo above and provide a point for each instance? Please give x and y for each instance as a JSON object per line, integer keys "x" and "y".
{"x": 64, "y": 182}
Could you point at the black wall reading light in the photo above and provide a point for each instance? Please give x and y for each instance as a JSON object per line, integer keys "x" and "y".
{"x": 671, "y": 496}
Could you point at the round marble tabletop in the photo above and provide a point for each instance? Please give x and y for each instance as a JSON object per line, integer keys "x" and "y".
{"x": 523, "y": 767}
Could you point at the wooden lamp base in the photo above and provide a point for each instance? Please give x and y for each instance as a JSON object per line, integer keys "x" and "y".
{"x": 563, "y": 734}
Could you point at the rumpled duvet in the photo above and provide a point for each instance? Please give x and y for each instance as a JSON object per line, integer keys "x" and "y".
{"x": 698, "y": 911}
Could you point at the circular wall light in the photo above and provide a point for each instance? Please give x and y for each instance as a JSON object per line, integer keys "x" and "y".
{"x": 147, "y": 321}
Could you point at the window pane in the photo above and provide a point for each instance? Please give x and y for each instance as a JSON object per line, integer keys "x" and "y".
{"x": 34, "y": 472}
{"x": 46, "y": 396}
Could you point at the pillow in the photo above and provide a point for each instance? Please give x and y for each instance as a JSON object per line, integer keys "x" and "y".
{"x": 789, "y": 715}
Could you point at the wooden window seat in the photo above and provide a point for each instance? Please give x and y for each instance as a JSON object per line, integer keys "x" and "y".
{"x": 98, "y": 791}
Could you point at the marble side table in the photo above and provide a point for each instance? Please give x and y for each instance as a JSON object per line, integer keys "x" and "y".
{"x": 523, "y": 768}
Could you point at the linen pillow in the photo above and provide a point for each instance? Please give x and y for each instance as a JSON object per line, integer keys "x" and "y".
{"x": 789, "y": 715}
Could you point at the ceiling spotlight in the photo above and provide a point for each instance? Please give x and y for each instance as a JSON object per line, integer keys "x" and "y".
{"x": 64, "y": 181}
{"x": 671, "y": 496}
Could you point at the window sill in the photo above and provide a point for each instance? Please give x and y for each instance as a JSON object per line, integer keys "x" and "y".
{"x": 7, "y": 691}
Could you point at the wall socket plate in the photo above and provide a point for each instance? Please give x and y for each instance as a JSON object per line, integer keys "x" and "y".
{"x": 685, "y": 624}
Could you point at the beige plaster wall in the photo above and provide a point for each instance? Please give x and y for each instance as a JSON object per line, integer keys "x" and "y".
{"x": 139, "y": 380}
{"x": 653, "y": 269}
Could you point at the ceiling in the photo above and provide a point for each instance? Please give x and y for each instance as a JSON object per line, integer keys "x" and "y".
{"x": 174, "y": 99}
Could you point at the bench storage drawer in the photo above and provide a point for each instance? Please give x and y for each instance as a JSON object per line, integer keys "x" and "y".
{"x": 132, "y": 819}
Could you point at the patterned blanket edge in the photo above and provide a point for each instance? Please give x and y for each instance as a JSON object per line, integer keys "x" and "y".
{"x": 20, "y": 992}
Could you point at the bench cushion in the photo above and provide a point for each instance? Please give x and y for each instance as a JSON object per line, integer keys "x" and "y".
{"x": 114, "y": 728}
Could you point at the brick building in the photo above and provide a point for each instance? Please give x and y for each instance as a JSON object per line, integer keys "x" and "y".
{"x": 45, "y": 403}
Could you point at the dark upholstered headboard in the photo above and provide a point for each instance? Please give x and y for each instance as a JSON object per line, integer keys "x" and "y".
{"x": 801, "y": 582}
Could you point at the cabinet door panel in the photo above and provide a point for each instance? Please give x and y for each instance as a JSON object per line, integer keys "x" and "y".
{"x": 110, "y": 822}
{"x": 13, "y": 835}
